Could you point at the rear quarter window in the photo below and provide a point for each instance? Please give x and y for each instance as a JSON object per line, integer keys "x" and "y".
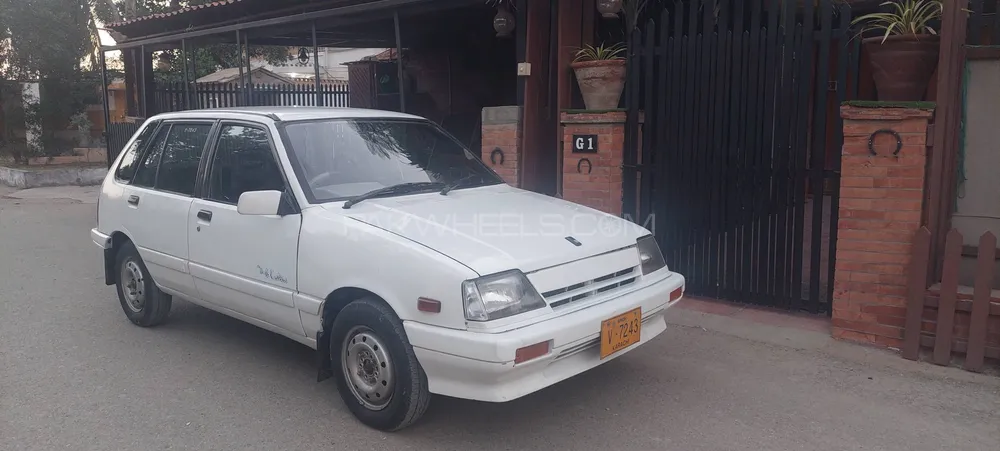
{"x": 130, "y": 161}
{"x": 181, "y": 157}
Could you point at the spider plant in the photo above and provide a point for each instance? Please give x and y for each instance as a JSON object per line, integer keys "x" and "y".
{"x": 905, "y": 17}
{"x": 600, "y": 53}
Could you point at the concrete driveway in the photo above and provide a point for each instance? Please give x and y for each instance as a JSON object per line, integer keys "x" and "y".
{"x": 75, "y": 374}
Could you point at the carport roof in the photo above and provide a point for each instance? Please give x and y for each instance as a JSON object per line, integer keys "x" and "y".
{"x": 186, "y": 9}
{"x": 288, "y": 21}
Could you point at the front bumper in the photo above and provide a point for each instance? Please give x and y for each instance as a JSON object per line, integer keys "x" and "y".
{"x": 480, "y": 366}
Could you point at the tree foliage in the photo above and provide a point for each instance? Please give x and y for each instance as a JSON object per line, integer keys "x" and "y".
{"x": 43, "y": 38}
{"x": 43, "y": 41}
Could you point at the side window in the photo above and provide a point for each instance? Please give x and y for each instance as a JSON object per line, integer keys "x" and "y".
{"x": 145, "y": 173}
{"x": 181, "y": 155}
{"x": 243, "y": 162}
{"x": 129, "y": 162}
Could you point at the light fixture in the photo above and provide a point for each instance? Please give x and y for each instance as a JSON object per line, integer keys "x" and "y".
{"x": 503, "y": 23}
{"x": 303, "y": 55}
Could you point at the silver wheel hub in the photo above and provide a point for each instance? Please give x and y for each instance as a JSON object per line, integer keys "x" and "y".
{"x": 133, "y": 286}
{"x": 367, "y": 368}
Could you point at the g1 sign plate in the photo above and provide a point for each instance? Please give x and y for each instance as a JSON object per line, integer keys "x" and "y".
{"x": 585, "y": 144}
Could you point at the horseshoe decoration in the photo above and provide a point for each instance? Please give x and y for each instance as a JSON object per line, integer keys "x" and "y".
{"x": 493, "y": 156}
{"x": 884, "y": 131}
{"x": 579, "y": 164}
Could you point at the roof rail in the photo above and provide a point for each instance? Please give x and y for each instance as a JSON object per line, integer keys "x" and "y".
{"x": 271, "y": 116}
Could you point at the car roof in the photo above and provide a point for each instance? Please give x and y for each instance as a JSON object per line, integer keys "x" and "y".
{"x": 290, "y": 113}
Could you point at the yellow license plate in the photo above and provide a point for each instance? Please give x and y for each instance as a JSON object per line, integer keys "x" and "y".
{"x": 620, "y": 332}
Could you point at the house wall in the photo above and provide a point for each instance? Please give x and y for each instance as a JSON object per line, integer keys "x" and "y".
{"x": 331, "y": 59}
{"x": 978, "y": 203}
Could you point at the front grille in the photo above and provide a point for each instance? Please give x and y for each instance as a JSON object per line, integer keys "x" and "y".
{"x": 588, "y": 288}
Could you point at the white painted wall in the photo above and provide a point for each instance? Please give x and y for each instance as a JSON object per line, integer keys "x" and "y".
{"x": 331, "y": 59}
{"x": 31, "y": 94}
{"x": 979, "y": 196}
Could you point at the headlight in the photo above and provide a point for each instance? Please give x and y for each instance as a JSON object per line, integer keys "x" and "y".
{"x": 499, "y": 296}
{"x": 649, "y": 254}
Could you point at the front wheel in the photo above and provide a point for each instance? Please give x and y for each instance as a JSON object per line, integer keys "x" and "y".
{"x": 377, "y": 373}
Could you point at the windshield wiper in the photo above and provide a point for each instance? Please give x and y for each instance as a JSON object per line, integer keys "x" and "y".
{"x": 401, "y": 188}
{"x": 457, "y": 183}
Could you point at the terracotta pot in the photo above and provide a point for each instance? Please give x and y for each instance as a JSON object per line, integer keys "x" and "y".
{"x": 609, "y": 8}
{"x": 903, "y": 65}
{"x": 601, "y": 82}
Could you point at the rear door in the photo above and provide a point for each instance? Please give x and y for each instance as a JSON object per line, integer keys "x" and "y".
{"x": 245, "y": 264}
{"x": 159, "y": 198}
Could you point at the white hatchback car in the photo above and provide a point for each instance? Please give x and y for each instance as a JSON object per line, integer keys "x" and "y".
{"x": 379, "y": 240}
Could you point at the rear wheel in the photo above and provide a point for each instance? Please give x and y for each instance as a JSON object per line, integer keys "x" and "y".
{"x": 377, "y": 373}
{"x": 144, "y": 304}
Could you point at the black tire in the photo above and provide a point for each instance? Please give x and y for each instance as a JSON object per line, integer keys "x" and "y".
{"x": 155, "y": 305}
{"x": 410, "y": 396}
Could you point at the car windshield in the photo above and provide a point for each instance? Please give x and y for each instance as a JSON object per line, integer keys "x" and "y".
{"x": 340, "y": 158}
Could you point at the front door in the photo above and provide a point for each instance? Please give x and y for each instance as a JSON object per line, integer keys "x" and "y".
{"x": 158, "y": 200}
{"x": 244, "y": 264}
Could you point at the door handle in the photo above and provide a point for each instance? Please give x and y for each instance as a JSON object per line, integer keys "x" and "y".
{"x": 133, "y": 200}
{"x": 205, "y": 215}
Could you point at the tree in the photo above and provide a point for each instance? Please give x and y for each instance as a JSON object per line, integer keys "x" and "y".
{"x": 44, "y": 41}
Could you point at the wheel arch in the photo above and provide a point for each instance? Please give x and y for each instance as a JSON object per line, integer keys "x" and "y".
{"x": 331, "y": 307}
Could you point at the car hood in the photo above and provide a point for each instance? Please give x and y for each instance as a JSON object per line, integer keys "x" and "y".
{"x": 497, "y": 228}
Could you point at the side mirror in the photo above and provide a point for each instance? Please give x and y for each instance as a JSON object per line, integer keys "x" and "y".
{"x": 260, "y": 203}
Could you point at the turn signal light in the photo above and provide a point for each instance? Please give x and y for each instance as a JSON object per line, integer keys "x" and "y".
{"x": 531, "y": 352}
{"x": 676, "y": 294}
{"x": 428, "y": 305}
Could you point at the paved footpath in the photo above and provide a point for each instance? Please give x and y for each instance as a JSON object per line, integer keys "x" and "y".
{"x": 74, "y": 374}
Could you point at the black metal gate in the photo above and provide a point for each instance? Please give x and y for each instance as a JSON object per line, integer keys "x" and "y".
{"x": 117, "y": 135}
{"x": 732, "y": 108}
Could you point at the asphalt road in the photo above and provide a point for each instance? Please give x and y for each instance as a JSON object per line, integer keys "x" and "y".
{"x": 75, "y": 374}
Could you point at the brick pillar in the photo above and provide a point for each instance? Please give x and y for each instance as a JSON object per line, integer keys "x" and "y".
{"x": 881, "y": 200}
{"x": 597, "y": 184}
{"x": 502, "y": 130}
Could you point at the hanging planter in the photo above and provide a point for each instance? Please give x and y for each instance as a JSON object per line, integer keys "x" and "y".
{"x": 609, "y": 9}
{"x": 600, "y": 72}
{"x": 905, "y": 56}
{"x": 503, "y": 22}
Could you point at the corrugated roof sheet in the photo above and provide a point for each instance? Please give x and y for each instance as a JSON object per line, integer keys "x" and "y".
{"x": 233, "y": 74}
{"x": 174, "y": 13}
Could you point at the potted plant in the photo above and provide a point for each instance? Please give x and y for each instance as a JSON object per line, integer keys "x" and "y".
{"x": 600, "y": 72}
{"x": 905, "y": 54}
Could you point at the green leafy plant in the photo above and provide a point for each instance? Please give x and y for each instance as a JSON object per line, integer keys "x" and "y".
{"x": 905, "y": 17}
{"x": 600, "y": 53}
{"x": 82, "y": 124}
{"x": 632, "y": 9}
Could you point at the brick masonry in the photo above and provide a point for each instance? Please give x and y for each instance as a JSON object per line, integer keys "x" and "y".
{"x": 601, "y": 186}
{"x": 881, "y": 200}
{"x": 502, "y": 130}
